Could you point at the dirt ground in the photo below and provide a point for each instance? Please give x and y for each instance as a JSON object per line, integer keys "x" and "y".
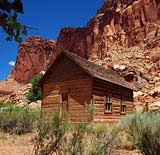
{"x": 23, "y": 145}
{"x": 16, "y": 145}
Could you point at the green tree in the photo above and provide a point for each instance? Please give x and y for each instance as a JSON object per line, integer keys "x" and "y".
{"x": 35, "y": 92}
{"x": 9, "y": 11}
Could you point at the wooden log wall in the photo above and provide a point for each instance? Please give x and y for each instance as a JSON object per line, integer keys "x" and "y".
{"x": 79, "y": 92}
{"x": 100, "y": 88}
{"x": 64, "y": 70}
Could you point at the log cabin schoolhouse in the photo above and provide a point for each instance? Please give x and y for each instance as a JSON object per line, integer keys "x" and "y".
{"x": 72, "y": 81}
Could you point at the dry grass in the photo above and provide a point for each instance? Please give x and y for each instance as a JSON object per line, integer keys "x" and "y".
{"x": 16, "y": 145}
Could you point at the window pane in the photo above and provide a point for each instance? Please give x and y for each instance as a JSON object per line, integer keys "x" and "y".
{"x": 123, "y": 108}
{"x": 109, "y": 98}
{"x": 108, "y": 103}
{"x": 123, "y": 101}
{"x": 108, "y": 107}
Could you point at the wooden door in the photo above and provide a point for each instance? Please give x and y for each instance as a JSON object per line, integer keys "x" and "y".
{"x": 63, "y": 103}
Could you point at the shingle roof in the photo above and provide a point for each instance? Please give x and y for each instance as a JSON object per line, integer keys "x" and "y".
{"x": 98, "y": 71}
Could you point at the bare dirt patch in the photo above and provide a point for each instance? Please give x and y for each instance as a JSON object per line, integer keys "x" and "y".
{"x": 16, "y": 145}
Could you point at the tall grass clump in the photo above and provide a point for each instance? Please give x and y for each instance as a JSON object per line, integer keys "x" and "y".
{"x": 143, "y": 129}
{"x": 17, "y": 120}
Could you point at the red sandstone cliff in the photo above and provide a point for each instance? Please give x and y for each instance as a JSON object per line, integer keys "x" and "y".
{"x": 124, "y": 35}
{"x": 34, "y": 56}
{"x": 123, "y": 22}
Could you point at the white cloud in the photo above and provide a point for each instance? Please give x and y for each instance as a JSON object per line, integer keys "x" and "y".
{"x": 11, "y": 63}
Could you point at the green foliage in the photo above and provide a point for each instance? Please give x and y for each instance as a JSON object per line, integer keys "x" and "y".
{"x": 143, "y": 130}
{"x": 36, "y": 79}
{"x": 35, "y": 92}
{"x": 90, "y": 108}
{"x": 57, "y": 135}
{"x": 9, "y": 12}
{"x": 50, "y": 131}
{"x": 3, "y": 105}
{"x": 17, "y": 120}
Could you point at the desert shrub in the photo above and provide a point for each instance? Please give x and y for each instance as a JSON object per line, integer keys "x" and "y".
{"x": 143, "y": 129}
{"x": 35, "y": 92}
{"x": 102, "y": 139}
{"x": 58, "y": 135}
{"x": 17, "y": 120}
{"x": 50, "y": 131}
{"x": 74, "y": 142}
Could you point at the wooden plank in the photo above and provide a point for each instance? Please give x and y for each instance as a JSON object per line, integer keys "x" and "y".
{"x": 116, "y": 89}
{"x": 50, "y": 106}
{"x": 69, "y": 82}
{"x": 108, "y": 117}
{"x": 99, "y": 98}
{"x": 51, "y": 98}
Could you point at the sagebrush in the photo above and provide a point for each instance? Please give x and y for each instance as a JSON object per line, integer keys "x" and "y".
{"x": 17, "y": 120}
{"x": 143, "y": 129}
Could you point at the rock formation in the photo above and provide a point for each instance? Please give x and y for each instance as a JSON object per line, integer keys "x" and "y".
{"x": 34, "y": 56}
{"x": 123, "y": 23}
{"x": 124, "y": 35}
{"x": 118, "y": 22}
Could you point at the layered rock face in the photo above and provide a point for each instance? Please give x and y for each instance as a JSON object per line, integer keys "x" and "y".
{"x": 124, "y": 36}
{"x": 34, "y": 56}
{"x": 118, "y": 22}
{"x": 123, "y": 23}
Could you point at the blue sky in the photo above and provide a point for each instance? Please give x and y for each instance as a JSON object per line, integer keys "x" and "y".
{"x": 48, "y": 16}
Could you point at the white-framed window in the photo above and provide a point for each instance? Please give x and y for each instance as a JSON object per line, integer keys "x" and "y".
{"x": 123, "y": 105}
{"x": 108, "y": 103}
